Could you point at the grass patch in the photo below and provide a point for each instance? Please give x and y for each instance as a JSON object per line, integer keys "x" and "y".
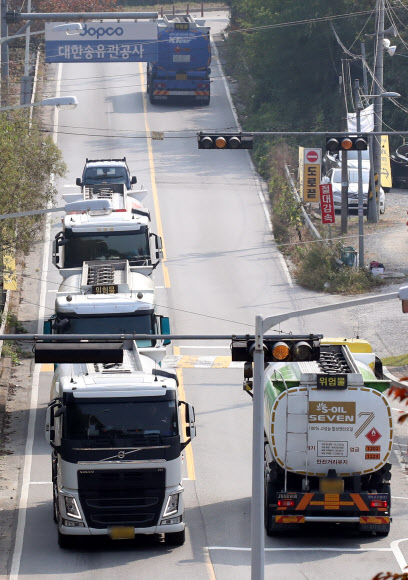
{"x": 318, "y": 269}
{"x": 396, "y": 361}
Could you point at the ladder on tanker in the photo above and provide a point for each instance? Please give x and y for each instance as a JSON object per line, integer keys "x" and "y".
{"x": 297, "y": 430}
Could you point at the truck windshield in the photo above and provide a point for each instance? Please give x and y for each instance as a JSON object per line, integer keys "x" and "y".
{"x": 118, "y": 324}
{"x": 95, "y": 174}
{"x": 141, "y": 421}
{"x": 82, "y": 247}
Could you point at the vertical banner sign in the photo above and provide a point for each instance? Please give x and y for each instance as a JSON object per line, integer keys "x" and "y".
{"x": 312, "y": 161}
{"x": 326, "y": 203}
{"x": 102, "y": 42}
{"x": 386, "y": 179}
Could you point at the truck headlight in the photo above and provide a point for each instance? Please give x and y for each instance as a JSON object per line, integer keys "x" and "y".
{"x": 172, "y": 505}
{"x": 71, "y": 507}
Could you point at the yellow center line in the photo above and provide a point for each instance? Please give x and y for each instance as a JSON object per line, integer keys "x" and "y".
{"x": 182, "y": 393}
{"x": 153, "y": 179}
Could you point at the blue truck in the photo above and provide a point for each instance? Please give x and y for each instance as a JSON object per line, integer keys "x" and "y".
{"x": 181, "y": 71}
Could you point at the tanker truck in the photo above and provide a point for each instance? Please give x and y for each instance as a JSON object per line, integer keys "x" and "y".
{"x": 328, "y": 435}
{"x": 182, "y": 67}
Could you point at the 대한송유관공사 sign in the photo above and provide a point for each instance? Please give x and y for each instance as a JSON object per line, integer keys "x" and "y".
{"x": 102, "y": 42}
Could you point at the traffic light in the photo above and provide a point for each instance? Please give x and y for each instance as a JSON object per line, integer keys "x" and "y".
{"x": 347, "y": 143}
{"x": 225, "y": 141}
{"x": 280, "y": 348}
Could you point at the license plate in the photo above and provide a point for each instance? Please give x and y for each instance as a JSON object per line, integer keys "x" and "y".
{"x": 181, "y": 77}
{"x": 122, "y": 533}
{"x": 331, "y": 485}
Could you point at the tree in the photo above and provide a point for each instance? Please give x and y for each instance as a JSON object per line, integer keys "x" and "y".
{"x": 28, "y": 159}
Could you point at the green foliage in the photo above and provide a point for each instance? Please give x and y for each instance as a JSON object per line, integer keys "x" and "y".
{"x": 285, "y": 210}
{"x": 28, "y": 159}
{"x": 318, "y": 270}
{"x": 289, "y": 75}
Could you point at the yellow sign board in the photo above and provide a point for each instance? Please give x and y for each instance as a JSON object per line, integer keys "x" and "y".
{"x": 386, "y": 180}
{"x": 309, "y": 174}
{"x": 9, "y": 272}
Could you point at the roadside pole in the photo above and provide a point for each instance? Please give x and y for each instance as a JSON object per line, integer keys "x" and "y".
{"x": 4, "y": 55}
{"x": 257, "y": 504}
{"x": 378, "y": 86}
{"x": 344, "y": 192}
{"x": 372, "y": 215}
{"x": 358, "y": 106}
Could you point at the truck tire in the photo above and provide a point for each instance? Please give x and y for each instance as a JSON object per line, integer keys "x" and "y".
{"x": 151, "y": 97}
{"x": 65, "y": 542}
{"x": 176, "y": 538}
{"x": 270, "y": 490}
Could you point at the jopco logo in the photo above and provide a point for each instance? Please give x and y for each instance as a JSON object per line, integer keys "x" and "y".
{"x": 101, "y": 31}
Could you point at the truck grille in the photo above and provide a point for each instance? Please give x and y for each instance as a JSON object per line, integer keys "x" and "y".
{"x": 122, "y": 497}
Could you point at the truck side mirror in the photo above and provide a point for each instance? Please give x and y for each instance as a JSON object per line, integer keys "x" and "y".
{"x": 48, "y": 425}
{"x": 165, "y": 328}
{"x": 78, "y": 181}
{"x": 55, "y": 256}
{"x": 47, "y": 327}
{"x": 190, "y": 420}
{"x": 133, "y": 180}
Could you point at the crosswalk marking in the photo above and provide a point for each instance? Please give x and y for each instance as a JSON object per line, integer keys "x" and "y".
{"x": 200, "y": 362}
{"x": 184, "y": 362}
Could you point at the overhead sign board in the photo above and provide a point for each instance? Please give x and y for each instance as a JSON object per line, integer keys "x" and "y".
{"x": 386, "y": 179}
{"x": 326, "y": 203}
{"x": 310, "y": 161}
{"x": 102, "y": 42}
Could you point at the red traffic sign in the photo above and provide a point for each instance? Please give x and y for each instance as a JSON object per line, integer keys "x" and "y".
{"x": 312, "y": 156}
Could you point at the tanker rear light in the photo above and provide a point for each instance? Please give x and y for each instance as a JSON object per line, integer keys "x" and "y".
{"x": 119, "y": 210}
{"x": 286, "y": 503}
{"x": 376, "y": 503}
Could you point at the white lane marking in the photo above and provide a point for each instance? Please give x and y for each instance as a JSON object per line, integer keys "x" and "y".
{"x": 397, "y": 497}
{"x": 398, "y": 554}
{"x": 399, "y": 410}
{"x": 297, "y": 549}
{"x": 40, "y": 482}
{"x": 22, "y": 511}
{"x": 256, "y": 176}
{"x": 52, "y": 291}
{"x": 160, "y": 287}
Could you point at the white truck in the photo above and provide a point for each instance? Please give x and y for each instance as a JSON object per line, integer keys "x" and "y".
{"x": 116, "y": 432}
{"x": 107, "y": 297}
{"x": 328, "y": 436}
{"x": 121, "y": 232}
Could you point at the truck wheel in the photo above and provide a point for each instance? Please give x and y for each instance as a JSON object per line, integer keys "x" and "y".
{"x": 270, "y": 528}
{"x": 151, "y": 97}
{"x": 176, "y": 538}
{"x": 65, "y": 542}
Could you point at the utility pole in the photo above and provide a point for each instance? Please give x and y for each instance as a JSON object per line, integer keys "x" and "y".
{"x": 344, "y": 182}
{"x": 379, "y": 81}
{"x": 4, "y": 55}
{"x": 25, "y": 90}
{"x": 358, "y": 106}
{"x": 372, "y": 214}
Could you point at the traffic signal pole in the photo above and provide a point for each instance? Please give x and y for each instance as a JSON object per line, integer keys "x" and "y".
{"x": 344, "y": 192}
{"x": 358, "y": 106}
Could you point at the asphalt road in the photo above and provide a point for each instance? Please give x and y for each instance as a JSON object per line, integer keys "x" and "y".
{"x": 221, "y": 269}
